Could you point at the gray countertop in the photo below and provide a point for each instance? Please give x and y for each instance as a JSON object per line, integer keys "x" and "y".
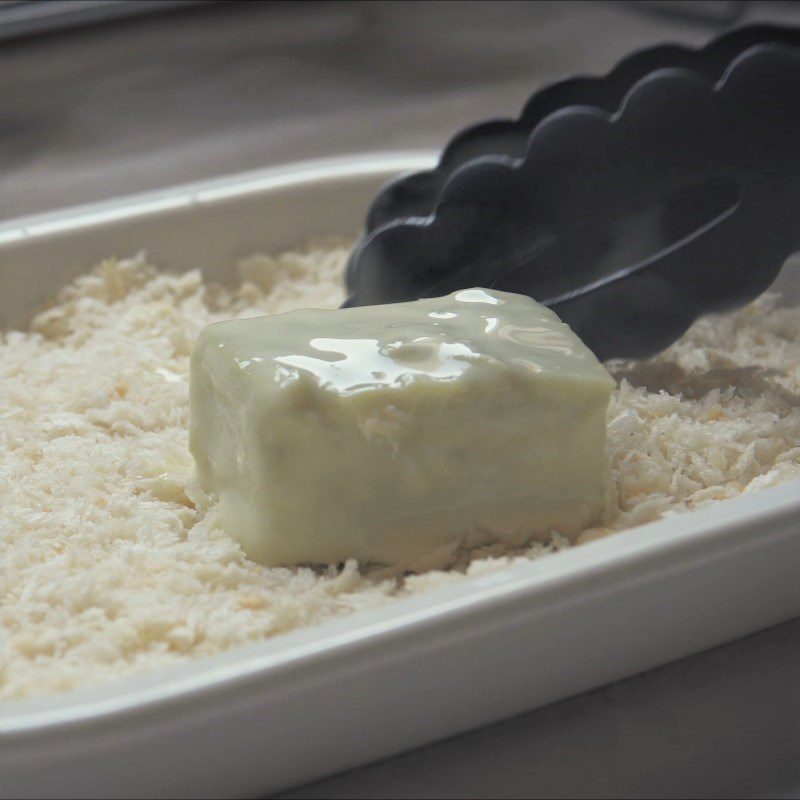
{"x": 212, "y": 89}
{"x": 91, "y": 114}
{"x": 725, "y": 723}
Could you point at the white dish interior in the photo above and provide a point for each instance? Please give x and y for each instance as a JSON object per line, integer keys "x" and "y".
{"x": 542, "y": 631}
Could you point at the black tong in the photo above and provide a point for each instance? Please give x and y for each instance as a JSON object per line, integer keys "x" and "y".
{"x": 629, "y": 204}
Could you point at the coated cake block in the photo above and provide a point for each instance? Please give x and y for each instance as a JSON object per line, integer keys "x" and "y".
{"x": 395, "y": 433}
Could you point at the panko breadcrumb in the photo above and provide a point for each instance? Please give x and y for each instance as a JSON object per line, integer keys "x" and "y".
{"x": 113, "y": 562}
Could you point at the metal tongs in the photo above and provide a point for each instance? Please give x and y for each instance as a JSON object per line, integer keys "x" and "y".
{"x": 630, "y": 204}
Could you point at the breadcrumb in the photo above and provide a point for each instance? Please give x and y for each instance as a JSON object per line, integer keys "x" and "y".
{"x": 113, "y": 562}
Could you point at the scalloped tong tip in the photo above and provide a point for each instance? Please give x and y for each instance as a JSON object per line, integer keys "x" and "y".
{"x": 629, "y": 204}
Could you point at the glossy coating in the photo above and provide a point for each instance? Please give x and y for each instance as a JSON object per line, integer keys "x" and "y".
{"x": 391, "y": 434}
{"x": 386, "y": 347}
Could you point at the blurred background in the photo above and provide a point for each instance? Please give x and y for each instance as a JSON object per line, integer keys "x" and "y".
{"x": 102, "y": 98}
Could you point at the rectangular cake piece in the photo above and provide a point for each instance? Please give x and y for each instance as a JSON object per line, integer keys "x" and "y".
{"x": 394, "y": 433}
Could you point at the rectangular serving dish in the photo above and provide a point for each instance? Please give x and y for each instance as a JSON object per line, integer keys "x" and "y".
{"x": 302, "y": 705}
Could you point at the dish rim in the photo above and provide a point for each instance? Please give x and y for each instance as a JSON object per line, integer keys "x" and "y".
{"x": 662, "y": 544}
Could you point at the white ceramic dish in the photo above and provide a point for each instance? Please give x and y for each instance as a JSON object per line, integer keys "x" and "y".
{"x": 265, "y": 717}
